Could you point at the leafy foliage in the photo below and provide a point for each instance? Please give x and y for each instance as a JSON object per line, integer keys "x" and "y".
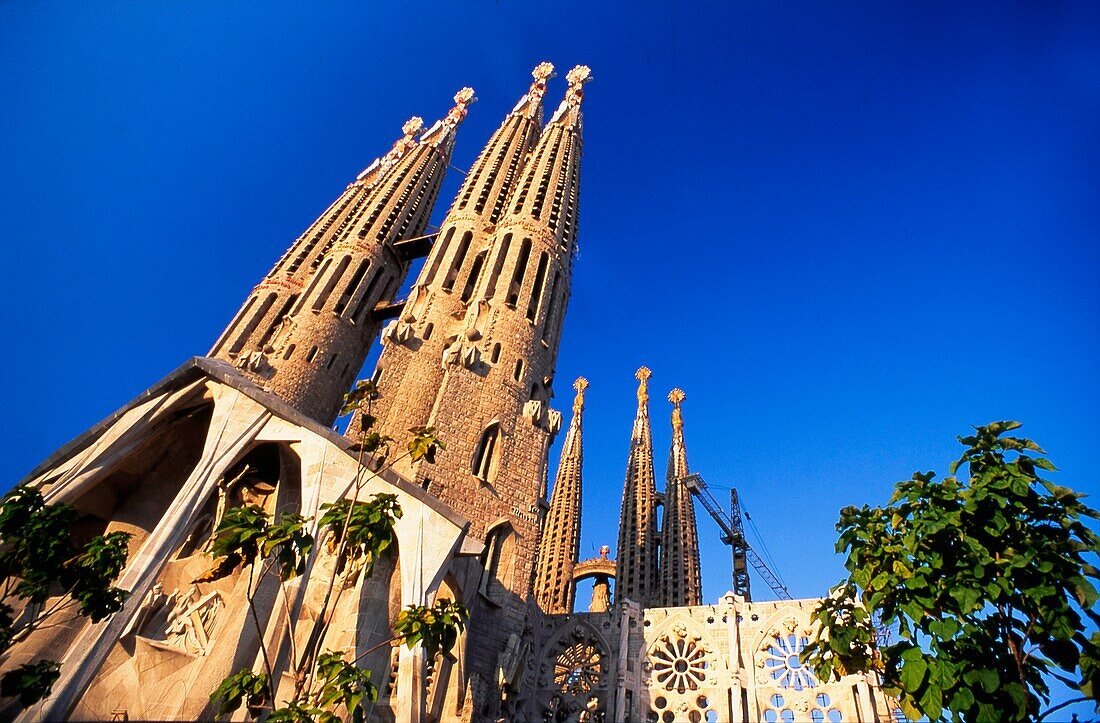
{"x": 246, "y": 531}
{"x": 424, "y": 444}
{"x": 243, "y": 687}
{"x": 343, "y": 684}
{"x": 31, "y": 681}
{"x": 39, "y": 561}
{"x": 985, "y": 580}
{"x": 363, "y": 529}
{"x": 436, "y": 627}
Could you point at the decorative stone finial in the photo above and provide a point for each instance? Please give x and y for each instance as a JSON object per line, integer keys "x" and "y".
{"x": 413, "y": 126}
{"x": 543, "y": 72}
{"x": 642, "y": 375}
{"x": 577, "y": 77}
{"x": 463, "y": 99}
{"x": 677, "y": 396}
{"x": 604, "y": 552}
{"x": 578, "y": 402}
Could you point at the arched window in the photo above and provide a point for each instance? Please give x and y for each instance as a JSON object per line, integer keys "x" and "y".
{"x": 494, "y": 357}
{"x": 484, "y": 465}
{"x": 497, "y": 558}
{"x": 428, "y": 328}
{"x": 517, "y": 373}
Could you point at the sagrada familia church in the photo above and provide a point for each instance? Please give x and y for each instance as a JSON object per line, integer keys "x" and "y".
{"x": 471, "y": 351}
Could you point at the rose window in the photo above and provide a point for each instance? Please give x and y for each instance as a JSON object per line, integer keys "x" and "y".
{"x": 680, "y": 662}
{"x": 780, "y": 661}
{"x": 577, "y": 669}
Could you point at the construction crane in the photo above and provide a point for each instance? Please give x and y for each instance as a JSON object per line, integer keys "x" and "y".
{"x": 733, "y": 534}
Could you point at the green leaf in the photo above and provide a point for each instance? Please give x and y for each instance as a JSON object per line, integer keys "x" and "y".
{"x": 31, "y": 681}
{"x": 912, "y": 674}
{"x": 243, "y": 687}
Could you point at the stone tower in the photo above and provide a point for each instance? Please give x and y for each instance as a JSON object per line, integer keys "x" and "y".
{"x": 490, "y": 403}
{"x": 561, "y": 530}
{"x": 636, "y": 559}
{"x": 410, "y": 371}
{"x": 307, "y": 328}
{"x": 680, "y": 578}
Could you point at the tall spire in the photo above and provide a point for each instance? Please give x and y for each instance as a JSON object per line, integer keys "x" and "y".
{"x": 680, "y": 578}
{"x": 303, "y": 335}
{"x": 433, "y": 315}
{"x": 561, "y": 531}
{"x": 636, "y": 559}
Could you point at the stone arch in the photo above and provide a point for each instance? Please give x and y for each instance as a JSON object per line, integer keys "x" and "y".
{"x": 196, "y": 632}
{"x": 573, "y": 673}
{"x": 498, "y": 560}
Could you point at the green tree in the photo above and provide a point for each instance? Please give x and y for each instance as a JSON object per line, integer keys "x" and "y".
{"x": 47, "y": 579}
{"x": 983, "y": 577}
{"x": 359, "y": 533}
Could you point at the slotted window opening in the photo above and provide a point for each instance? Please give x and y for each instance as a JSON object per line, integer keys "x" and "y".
{"x": 460, "y": 258}
{"x": 353, "y": 284}
{"x": 428, "y": 328}
{"x": 498, "y": 266}
{"x": 319, "y": 302}
{"x": 536, "y": 288}
{"x": 471, "y": 280}
{"x": 518, "y": 371}
{"x": 517, "y": 275}
{"x": 551, "y": 308}
{"x": 439, "y": 252}
{"x": 254, "y": 322}
{"x": 494, "y": 357}
{"x": 364, "y": 304}
{"x": 311, "y": 355}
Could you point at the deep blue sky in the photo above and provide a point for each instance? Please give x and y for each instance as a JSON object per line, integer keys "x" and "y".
{"x": 848, "y": 232}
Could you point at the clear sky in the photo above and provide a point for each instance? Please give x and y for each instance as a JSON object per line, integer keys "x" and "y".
{"x": 847, "y": 231}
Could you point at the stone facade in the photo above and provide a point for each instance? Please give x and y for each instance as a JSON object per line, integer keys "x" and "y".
{"x": 732, "y": 662}
{"x": 164, "y": 468}
{"x": 472, "y": 352}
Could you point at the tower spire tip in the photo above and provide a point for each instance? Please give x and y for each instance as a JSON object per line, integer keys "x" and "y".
{"x": 676, "y": 396}
{"x": 578, "y": 402}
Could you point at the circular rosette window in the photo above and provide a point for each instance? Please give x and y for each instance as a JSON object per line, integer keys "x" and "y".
{"x": 578, "y": 668}
{"x": 782, "y": 663}
{"x": 679, "y": 661}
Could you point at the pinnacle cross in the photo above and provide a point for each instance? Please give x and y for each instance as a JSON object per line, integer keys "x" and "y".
{"x": 542, "y": 73}
{"x": 677, "y": 396}
{"x": 578, "y": 402}
{"x": 463, "y": 99}
{"x": 577, "y": 77}
{"x": 642, "y": 375}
